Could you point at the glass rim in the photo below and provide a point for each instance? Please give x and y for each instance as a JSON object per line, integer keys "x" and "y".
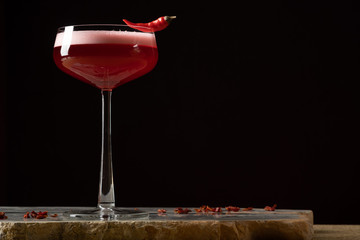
{"x": 108, "y": 25}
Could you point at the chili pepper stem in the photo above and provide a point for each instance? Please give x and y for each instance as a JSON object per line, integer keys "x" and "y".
{"x": 169, "y": 18}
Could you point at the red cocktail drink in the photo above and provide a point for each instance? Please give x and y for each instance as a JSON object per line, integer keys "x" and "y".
{"x": 105, "y": 56}
{"x": 105, "y": 59}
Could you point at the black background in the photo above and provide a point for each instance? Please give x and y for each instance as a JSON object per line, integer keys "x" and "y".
{"x": 251, "y": 103}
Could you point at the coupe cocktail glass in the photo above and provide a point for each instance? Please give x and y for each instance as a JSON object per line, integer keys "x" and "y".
{"x": 105, "y": 56}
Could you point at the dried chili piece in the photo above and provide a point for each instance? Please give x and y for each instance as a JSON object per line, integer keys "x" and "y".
{"x": 218, "y": 209}
{"x": 3, "y": 215}
{"x": 38, "y": 215}
{"x": 215, "y": 209}
{"x": 180, "y": 210}
{"x": 161, "y": 211}
{"x": 176, "y": 210}
{"x": 203, "y": 208}
{"x": 41, "y": 215}
{"x": 33, "y": 214}
{"x": 186, "y": 210}
{"x": 206, "y": 209}
{"x": 268, "y": 208}
{"x": 53, "y": 215}
{"x": 248, "y": 209}
{"x": 27, "y": 215}
{"x": 232, "y": 209}
{"x": 209, "y": 209}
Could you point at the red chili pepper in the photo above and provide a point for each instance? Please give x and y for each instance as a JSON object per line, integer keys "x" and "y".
{"x": 248, "y": 209}
{"x": 209, "y": 209}
{"x": 3, "y": 216}
{"x": 268, "y": 208}
{"x": 33, "y": 214}
{"x": 201, "y": 209}
{"x": 43, "y": 213}
{"x": 41, "y": 216}
{"x": 232, "y": 209}
{"x": 154, "y": 26}
{"x": 198, "y": 210}
{"x": 27, "y": 215}
{"x": 38, "y": 215}
{"x": 218, "y": 209}
{"x": 53, "y": 215}
{"x": 206, "y": 209}
{"x": 161, "y": 211}
{"x": 180, "y": 210}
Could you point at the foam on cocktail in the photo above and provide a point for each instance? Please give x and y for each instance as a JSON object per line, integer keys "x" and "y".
{"x": 104, "y": 37}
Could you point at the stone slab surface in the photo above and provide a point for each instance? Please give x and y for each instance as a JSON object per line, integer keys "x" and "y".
{"x": 253, "y": 225}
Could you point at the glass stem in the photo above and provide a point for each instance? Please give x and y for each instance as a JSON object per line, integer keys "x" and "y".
{"x": 106, "y": 198}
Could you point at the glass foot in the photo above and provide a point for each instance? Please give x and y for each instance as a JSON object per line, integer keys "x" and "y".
{"x": 107, "y": 213}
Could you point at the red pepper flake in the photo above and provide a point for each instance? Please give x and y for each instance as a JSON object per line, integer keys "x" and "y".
{"x": 37, "y": 215}
{"x": 27, "y": 215}
{"x": 53, "y": 215}
{"x": 248, "y": 209}
{"x": 203, "y": 208}
{"x": 33, "y": 214}
{"x": 218, "y": 209}
{"x": 154, "y": 26}
{"x": 41, "y": 216}
{"x": 180, "y": 210}
{"x": 232, "y": 209}
{"x": 206, "y": 209}
{"x": 3, "y": 216}
{"x": 209, "y": 209}
{"x": 161, "y": 211}
{"x": 268, "y": 208}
